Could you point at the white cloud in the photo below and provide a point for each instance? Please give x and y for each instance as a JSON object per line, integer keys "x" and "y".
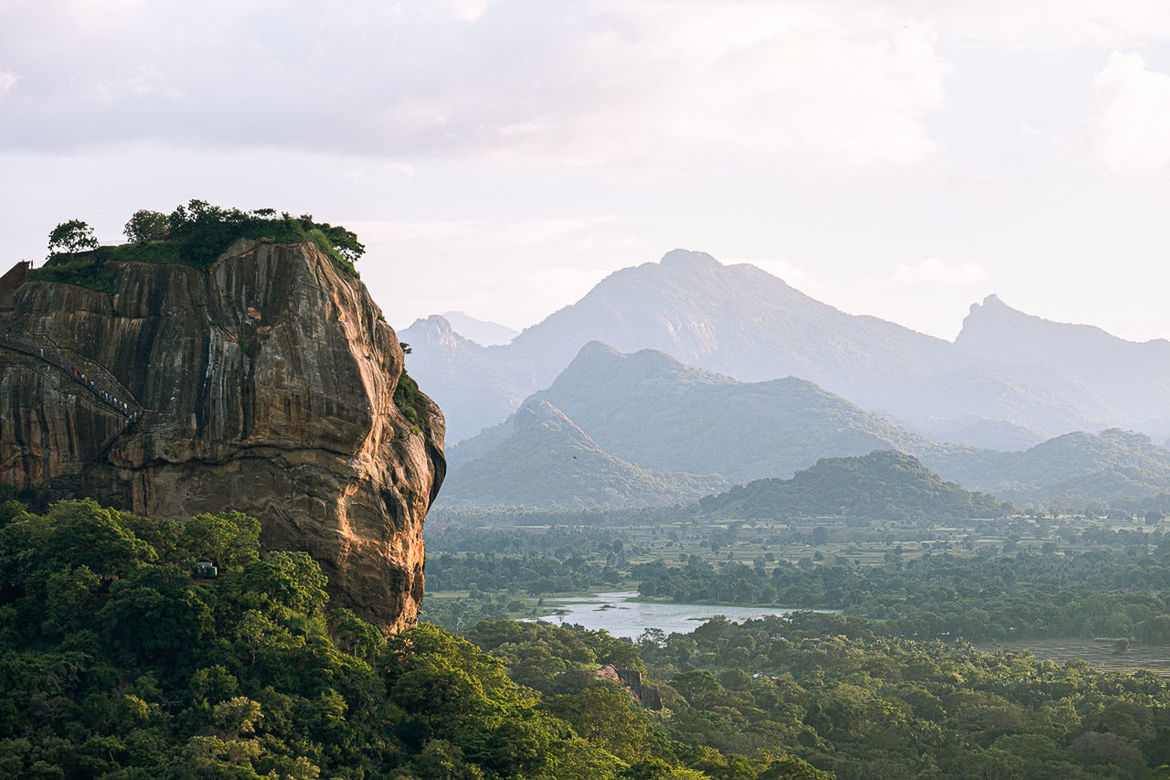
{"x": 1050, "y": 24}
{"x": 8, "y": 80}
{"x": 469, "y": 10}
{"x": 144, "y": 81}
{"x": 1131, "y": 135}
{"x": 653, "y": 84}
{"x": 937, "y": 272}
{"x": 425, "y": 235}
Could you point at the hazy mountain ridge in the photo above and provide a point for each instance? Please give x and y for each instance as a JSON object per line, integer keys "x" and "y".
{"x": 480, "y": 331}
{"x": 1115, "y": 465}
{"x": 471, "y": 381}
{"x": 741, "y": 321}
{"x": 547, "y": 461}
{"x": 649, "y": 411}
{"x": 652, "y": 410}
{"x": 884, "y": 484}
{"x": 1133, "y": 377}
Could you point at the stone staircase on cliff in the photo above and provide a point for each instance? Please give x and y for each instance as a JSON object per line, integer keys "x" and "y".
{"x": 104, "y": 387}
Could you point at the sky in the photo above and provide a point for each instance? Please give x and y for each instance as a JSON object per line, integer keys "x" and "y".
{"x": 902, "y": 159}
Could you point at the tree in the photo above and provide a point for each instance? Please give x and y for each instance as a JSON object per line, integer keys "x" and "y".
{"x": 72, "y": 236}
{"x": 146, "y": 226}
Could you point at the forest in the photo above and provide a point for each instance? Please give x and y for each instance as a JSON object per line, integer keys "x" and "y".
{"x": 120, "y": 658}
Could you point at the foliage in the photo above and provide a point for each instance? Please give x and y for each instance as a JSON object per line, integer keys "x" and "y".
{"x": 116, "y": 662}
{"x": 885, "y": 484}
{"x": 72, "y": 237}
{"x": 1096, "y": 593}
{"x": 146, "y": 225}
{"x": 193, "y": 234}
{"x": 863, "y": 706}
{"x": 407, "y": 397}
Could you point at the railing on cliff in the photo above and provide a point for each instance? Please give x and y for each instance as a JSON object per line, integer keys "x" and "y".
{"x": 119, "y": 400}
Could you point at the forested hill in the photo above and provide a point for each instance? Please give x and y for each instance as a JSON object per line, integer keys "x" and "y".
{"x": 885, "y": 484}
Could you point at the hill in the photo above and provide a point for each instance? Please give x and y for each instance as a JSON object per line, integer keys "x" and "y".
{"x": 652, "y": 410}
{"x": 1114, "y": 466}
{"x": 884, "y": 485}
{"x": 540, "y": 458}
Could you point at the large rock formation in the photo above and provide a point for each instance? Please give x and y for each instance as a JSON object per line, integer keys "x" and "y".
{"x": 264, "y": 384}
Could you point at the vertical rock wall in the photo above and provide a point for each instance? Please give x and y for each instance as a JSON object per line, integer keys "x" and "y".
{"x": 265, "y": 384}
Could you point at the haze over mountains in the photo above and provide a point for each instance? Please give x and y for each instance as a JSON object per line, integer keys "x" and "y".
{"x": 479, "y": 331}
{"x": 650, "y": 409}
{"x": 1132, "y": 378}
{"x": 542, "y": 459}
{"x": 672, "y": 377}
{"x": 740, "y": 321}
{"x": 884, "y": 484}
{"x": 643, "y": 429}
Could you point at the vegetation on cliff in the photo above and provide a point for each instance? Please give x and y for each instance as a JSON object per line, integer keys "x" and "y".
{"x": 194, "y": 234}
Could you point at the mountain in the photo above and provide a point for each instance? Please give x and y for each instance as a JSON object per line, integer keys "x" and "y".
{"x": 1132, "y": 377}
{"x": 540, "y": 458}
{"x": 650, "y": 409}
{"x": 479, "y": 331}
{"x": 263, "y": 381}
{"x": 740, "y": 321}
{"x": 474, "y": 385}
{"x": 1114, "y": 466}
{"x": 883, "y": 485}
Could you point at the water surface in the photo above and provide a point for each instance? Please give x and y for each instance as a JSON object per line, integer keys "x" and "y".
{"x": 618, "y": 614}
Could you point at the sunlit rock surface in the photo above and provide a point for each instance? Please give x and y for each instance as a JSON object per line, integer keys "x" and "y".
{"x": 265, "y": 384}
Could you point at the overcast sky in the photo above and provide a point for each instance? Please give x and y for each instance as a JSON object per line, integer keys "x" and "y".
{"x": 902, "y": 159}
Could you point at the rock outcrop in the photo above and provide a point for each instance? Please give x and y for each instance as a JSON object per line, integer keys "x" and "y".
{"x": 264, "y": 384}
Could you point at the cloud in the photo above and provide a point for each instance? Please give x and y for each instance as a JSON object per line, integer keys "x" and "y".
{"x": 8, "y": 80}
{"x": 469, "y": 10}
{"x": 479, "y": 234}
{"x": 1131, "y": 134}
{"x": 142, "y": 82}
{"x": 668, "y": 84}
{"x": 937, "y": 272}
{"x": 1049, "y": 24}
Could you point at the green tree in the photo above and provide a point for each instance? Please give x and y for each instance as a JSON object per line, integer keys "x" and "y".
{"x": 72, "y": 236}
{"x": 146, "y": 226}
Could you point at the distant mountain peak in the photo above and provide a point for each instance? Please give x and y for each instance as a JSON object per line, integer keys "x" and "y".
{"x": 435, "y": 330}
{"x": 597, "y": 350}
{"x": 688, "y": 260}
{"x": 536, "y": 413}
{"x": 994, "y": 300}
{"x": 480, "y": 331}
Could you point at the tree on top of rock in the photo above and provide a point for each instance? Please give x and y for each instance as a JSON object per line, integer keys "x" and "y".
{"x": 72, "y": 236}
{"x": 146, "y": 226}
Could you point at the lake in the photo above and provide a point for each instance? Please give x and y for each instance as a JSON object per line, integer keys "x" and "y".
{"x": 618, "y": 614}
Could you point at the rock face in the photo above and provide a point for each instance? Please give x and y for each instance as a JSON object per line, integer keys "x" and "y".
{"x": 265, "y": 384}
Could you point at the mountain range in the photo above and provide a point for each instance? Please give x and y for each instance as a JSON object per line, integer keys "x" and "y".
{"x": 650, "y": 409}
{"x": 643, "y": 429}
{"x": 742, "y": 322}
{"x": 544, "y": 460}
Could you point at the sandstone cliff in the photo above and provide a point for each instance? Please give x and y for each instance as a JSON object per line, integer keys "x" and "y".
{"x": 264, "y": 384}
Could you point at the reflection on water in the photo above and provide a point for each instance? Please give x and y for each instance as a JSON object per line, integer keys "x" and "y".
{"x": 617, "y": 614}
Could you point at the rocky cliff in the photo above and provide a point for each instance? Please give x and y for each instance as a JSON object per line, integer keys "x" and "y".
{"x": 264, "y": 384}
